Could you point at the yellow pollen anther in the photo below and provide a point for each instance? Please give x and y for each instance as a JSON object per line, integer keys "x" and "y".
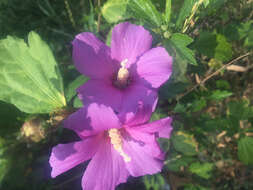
{"x": 117, "y": 143}
{"x": 123, "y": 63}
{"x": 123, "y": 73}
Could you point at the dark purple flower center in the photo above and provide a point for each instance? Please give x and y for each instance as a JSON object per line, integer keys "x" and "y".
{"x": 122, "y": 79}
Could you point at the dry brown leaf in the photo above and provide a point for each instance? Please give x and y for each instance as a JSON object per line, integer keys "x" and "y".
{"x": 236, "y": 68}
{"x": 249, "y": 134}
{"x": 197, "y": 78}
{"x": 221, "y": 135}
{"x": 221, "y": 145}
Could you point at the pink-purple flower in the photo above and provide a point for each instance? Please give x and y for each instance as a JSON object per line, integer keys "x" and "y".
{"x": 125, "y": 75}
{"x": 117, "y": 149}
{"x": 119, "y": 99}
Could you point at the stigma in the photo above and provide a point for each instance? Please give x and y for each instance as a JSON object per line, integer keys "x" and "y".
{"x": 122, "y": 75}
{"x": 116, "y": 141}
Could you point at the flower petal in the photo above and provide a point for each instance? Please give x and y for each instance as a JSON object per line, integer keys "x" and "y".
{"x": 141, "y": 116}
{"x": 66, "y": 156}
{"x": 105, "y": 170}
{"x": 92, "y": 57}
{"x": 145, "y": 157}
{"x": 101, "y": 92}
{"x": 149, "y": 139}
{"x": 92, "y": 119}
{"x": 135, "y": 96}
{"x": 129, "y": 41}
{"x": 154, "y": 67}
{"x": 162, "y": 127}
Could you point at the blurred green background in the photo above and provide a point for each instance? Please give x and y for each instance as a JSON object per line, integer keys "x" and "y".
{"x": 209, "y": 99}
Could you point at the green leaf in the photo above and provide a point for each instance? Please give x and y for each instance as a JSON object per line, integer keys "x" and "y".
{"x": 144, "y": 9}
{"x": 30, "y": 77}
{"x": 214, "y": 124}
{"x": 180, "y": 108}
{"x": 194, "y": 187}
{"x": 240, "y": 110}
{"x": 77, "y": 103}
{"x": 185, "y": 11}
{"x": 164, "y": 143}
{"x": 114, "y": 10}
{"x": 158, "y": 114}
{"x": 179, "y": 63}
{"x": 238, "y": 31}
{"x": 175, "y": 163}
{"x": 206, "y": 44}
{"x": 223, "y": 50}
{"x": 206, "y": 3}
{"x": 245, "y": 150}
{"x": 2, "y": 147}
{"x": 244, "y": 29}
{"x": 3, "y": 168}
{"x": 70, "y": 91}
{"x": 213, "y": 7}
{"x": 220, "y": 94}
{"x": 179, "y": 69}
{"x": 223, "y": 84}
{"x": 155, "y": 182}
{"x": 184, "y": 143}
{"x": 109, "y": 37}
{"x": 180, "y": 43}
{"x": 172, "y": 89}
{"x": 89, "y": 19}
{"x": 198, "y": 105}
{"x": 167, "y": 11}
{"x": 214, "y": 46}
{"x": 202, "y": 170}
{"x": 3, "y": 162}
{"x": 249, "y": 40}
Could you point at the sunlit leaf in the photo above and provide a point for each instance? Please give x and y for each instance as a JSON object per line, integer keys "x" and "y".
{"x": 114, "y": 10}
{"x": 184, "y": 143}
{"x": 201, "y": 169}
{"x": 70, "y": 91}
{"x": 30, "y": 77}
{"x": 167, "y": 11}
{"x": 223, "y": 50}
{"x": 144, "y": 9}
{"x": 220, "y": 94}
{"x": 180, "y": 43}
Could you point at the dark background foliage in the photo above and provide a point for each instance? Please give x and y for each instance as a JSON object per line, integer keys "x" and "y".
{"x": 209, "y": 95}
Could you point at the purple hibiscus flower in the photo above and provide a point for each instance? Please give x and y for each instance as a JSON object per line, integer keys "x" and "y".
{"x": 128, "y": 73}
{"x": 116, "y": 149}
